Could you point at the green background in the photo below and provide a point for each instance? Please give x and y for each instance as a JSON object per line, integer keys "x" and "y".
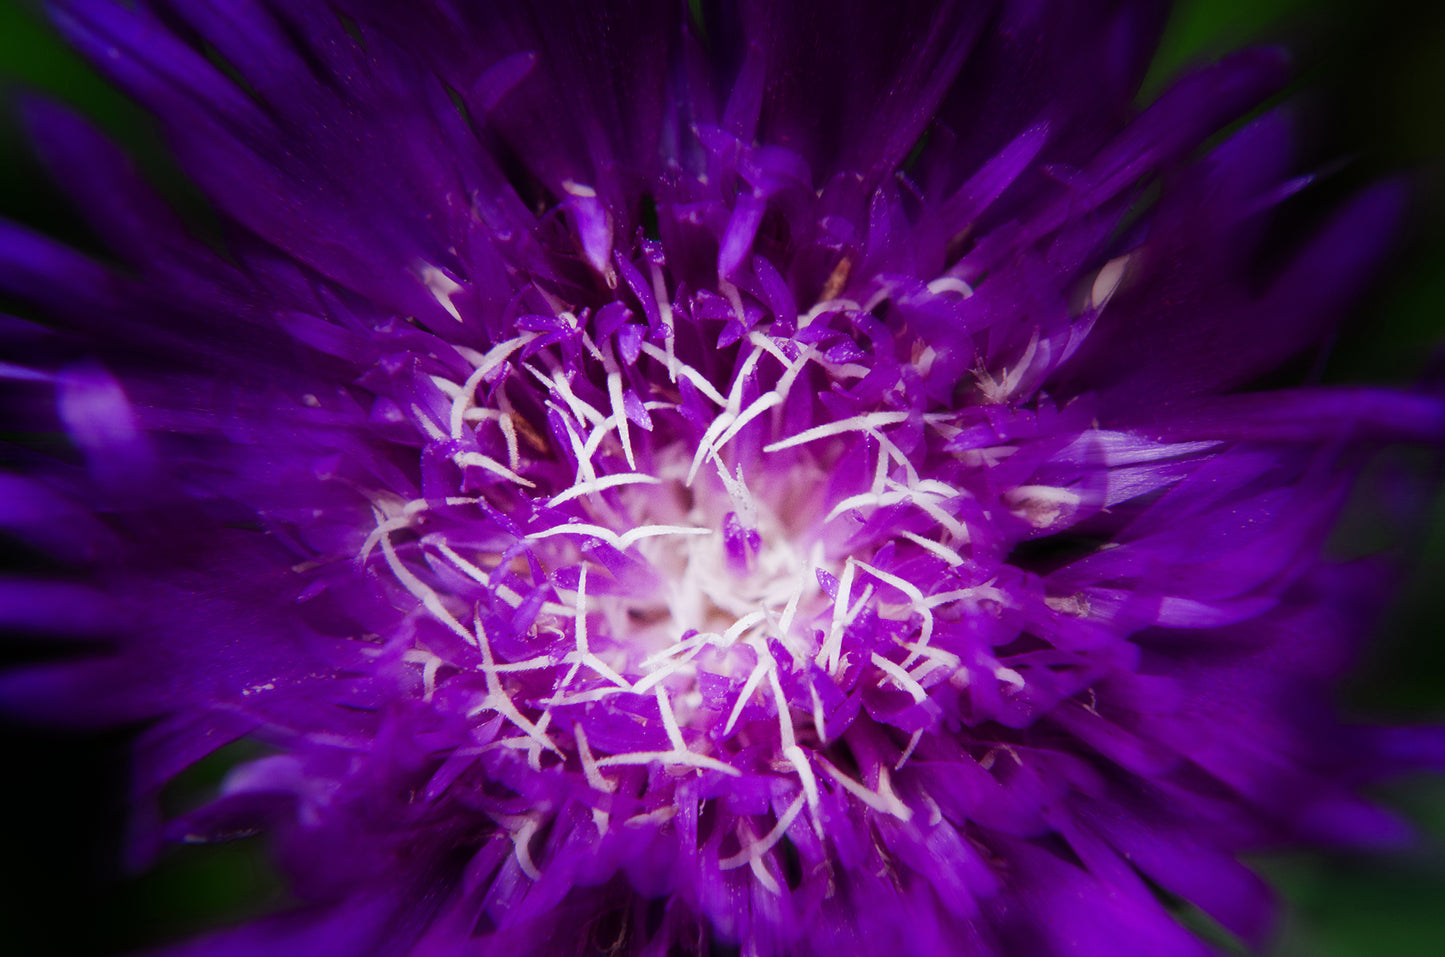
{"x": 1371, "y": 91}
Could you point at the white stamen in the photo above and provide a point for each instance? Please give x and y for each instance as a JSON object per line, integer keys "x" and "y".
{"x": 1001, "y": 390}
{"x": 942, "y": 551}
{"x": 669, "y": 720}
{"x": 668, "y": 669}
{"x": 1041, "y": 505}
{"x": 736, "y": 300}
{"x": 430, "y": 665}
{"x": 742, "y": 625}
{"x": 768, "y": 881}
{"x": 765, "y": 343}
{"x": 930, "y": 508}
{"x": 1008, "y": 676}
{"x": 557, "y": 383}
{"x": 740, "y": 379}
{"x": 880, "y": 470}
{"x": 950, "y": 284}
{"x": 937, "y": 657}
{"x": 601, "y": 484}
{"x": 827, "y": 305}
{"x": 509, "y": 433}
{"x": 584, "y": 697}
{"x": 580, "y": 621}
{"x": 586, "y": 471}
{"x": 659, "y": 816}
{"x": 785, "y": 624}
{"x": 499, "y": 701}
{"x": 493, "y": 466}
{"x": 624, "y": 433}
{"x": 686, "y": 758}
{"x": 834, "y": 645}
{"x": 687, "y": 372}
{"x": 749, "y": 688}
{"x": 795, "y": 755}
{"x": 382, "y": 528}
{"x": 664, "y": 310}
{"x": 972, "y": 595}
{"x": 594, "y": 776}
{"x": 531, "y": 664}
{"x": 494, "y": 357}
{"x": 858, "y": 423}
{"x": 762, "y": 404}
{"x": 758, "y": 848}
{"x": 422, "y": 591}
{"x": 442, "y": 287}
{"x": 819, "y": 725}
{"x": 695, "y": 642}
{"x": 1107, "y": 281}
{"x": 471, "y": 571}
{"x": 909, "y": 589}
{"x": 583, "y": 655}
{"x": 885, "y": 802}
{"x": 620, "y": 542}
{"x": 903, "y": 678}
{"x": 427, "y": 425}
{"x": 908, "y": 753}
{"x": 521, "y": 841}
{"x": 704, "y": 446}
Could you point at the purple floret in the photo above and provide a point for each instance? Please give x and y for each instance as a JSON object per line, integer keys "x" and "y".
{"x": 659, "y": 478}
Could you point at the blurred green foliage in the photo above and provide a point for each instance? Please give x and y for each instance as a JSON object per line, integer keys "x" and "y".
{"x": 1374, "y": 73}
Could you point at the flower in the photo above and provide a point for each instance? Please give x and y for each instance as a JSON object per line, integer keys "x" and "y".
{"x": 661, "y": 477}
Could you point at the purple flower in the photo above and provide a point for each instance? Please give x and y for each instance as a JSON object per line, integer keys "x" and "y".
{"x": 660, "y": 477}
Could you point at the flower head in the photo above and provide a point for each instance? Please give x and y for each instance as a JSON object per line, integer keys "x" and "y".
{"x": 661, "y": 477}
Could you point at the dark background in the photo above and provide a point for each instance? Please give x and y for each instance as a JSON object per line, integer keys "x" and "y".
{"x": 1371, "y": 94}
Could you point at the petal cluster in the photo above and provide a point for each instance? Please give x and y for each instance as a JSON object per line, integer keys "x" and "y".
{"x": 661, "y": 477}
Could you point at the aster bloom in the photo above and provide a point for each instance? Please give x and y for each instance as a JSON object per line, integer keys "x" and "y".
{"x": 663, "y": 477}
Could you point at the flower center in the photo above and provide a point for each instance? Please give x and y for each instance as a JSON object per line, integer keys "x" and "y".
{"x": 656, "y": 551}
